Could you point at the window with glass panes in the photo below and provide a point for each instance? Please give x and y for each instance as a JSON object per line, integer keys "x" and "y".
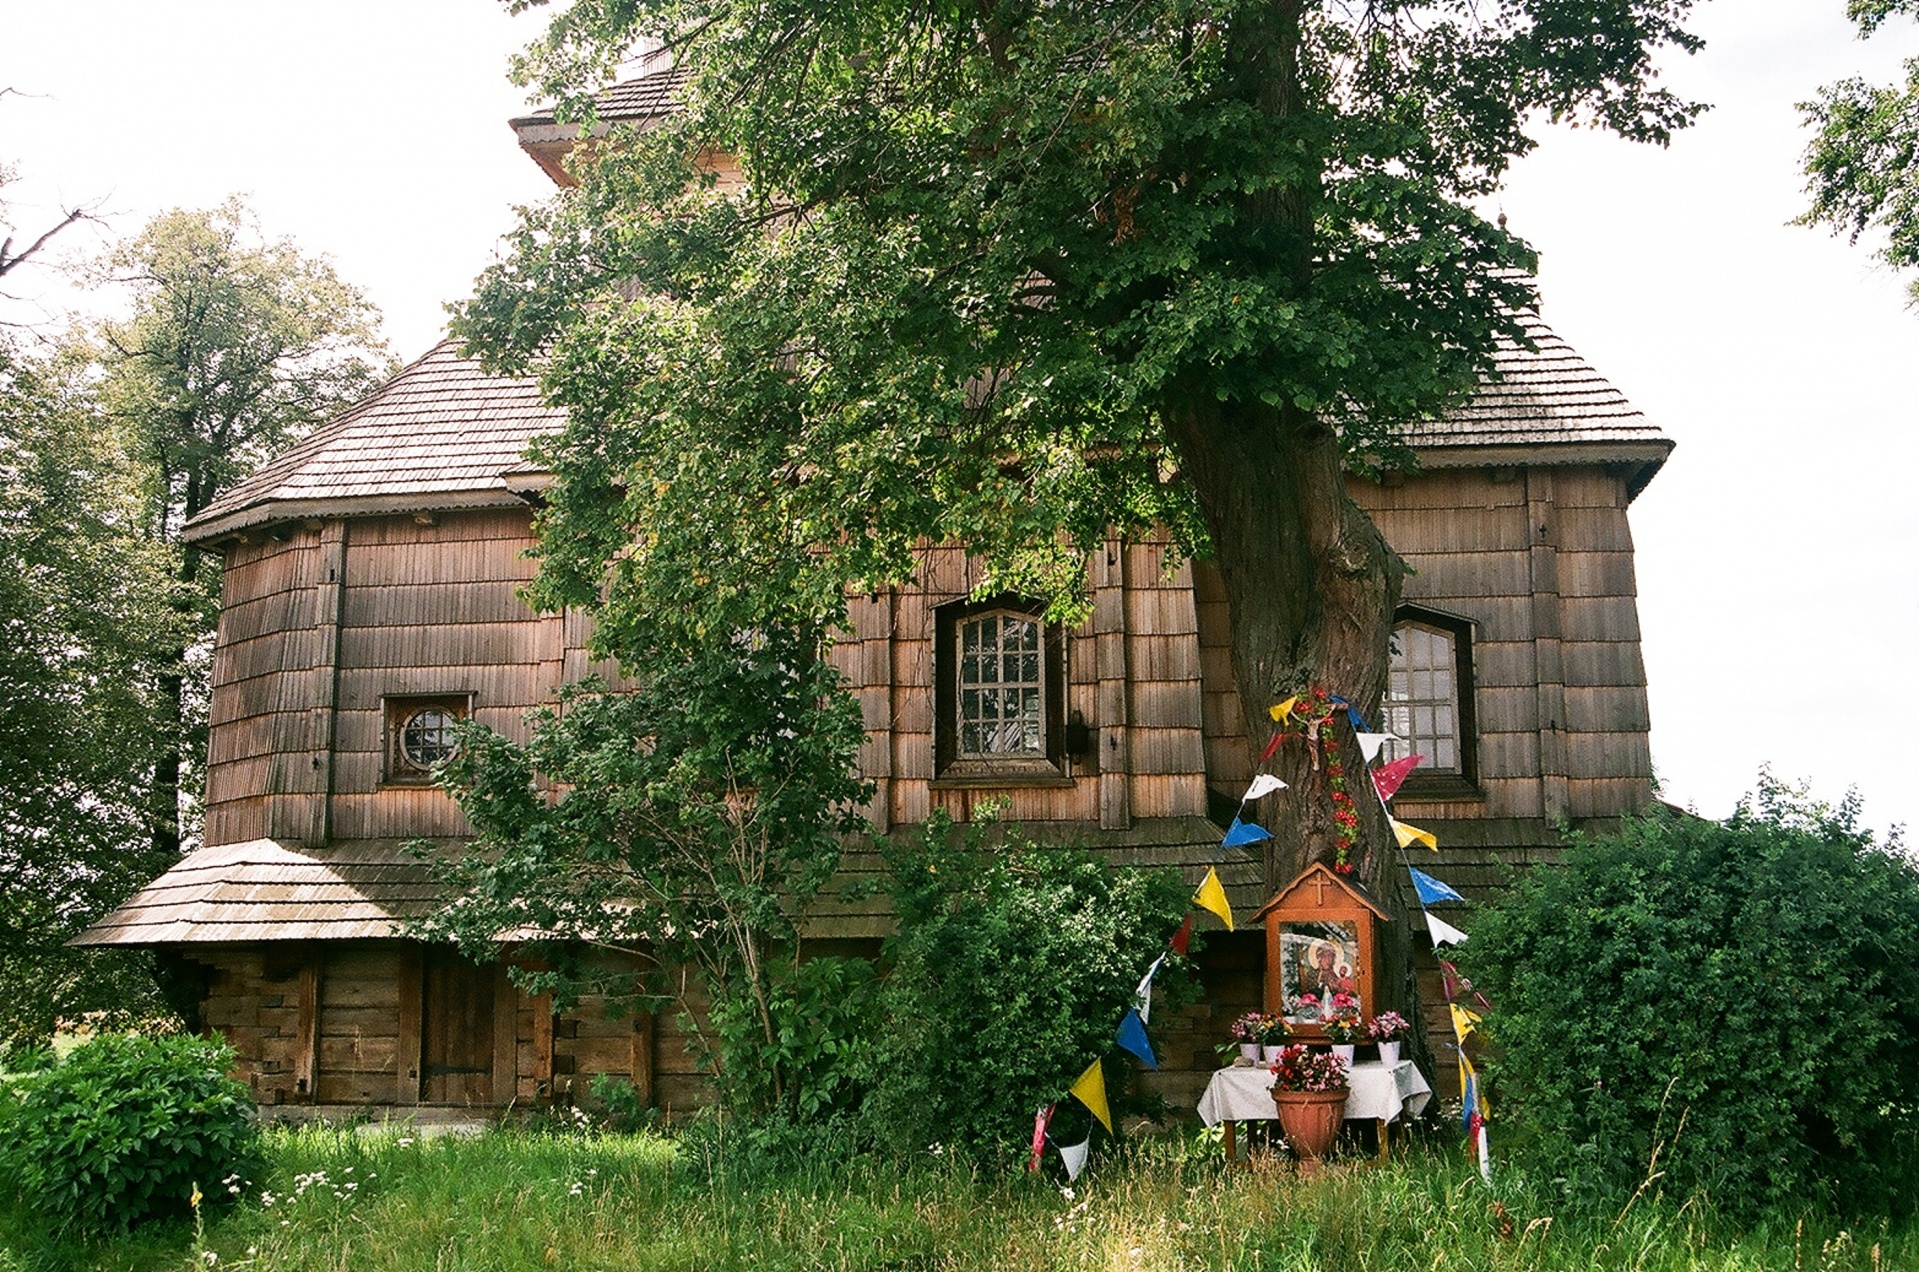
{"x": 1001, "y": 686}
{"x": 1422, "y": 697}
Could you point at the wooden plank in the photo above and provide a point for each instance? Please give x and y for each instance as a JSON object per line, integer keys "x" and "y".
{"x": 407, "y": 1040}
{"x": 1163, "y": 705}
{"x": 1607, "y": 709}
{"x": 1472, "y": 573}
{"x": 514, "y": 644}
{"x": 454, "y": 561}
{"x": 506, "y": 1039}
{"x": 1604, "y": 663}
{"x": 1597, "y": 574}
{"x": 1592, "y": 529}
{"x": 1501, "y": 528}
{"x": 465, "y": 602}
{"x": 306, "y": 1045}
{"x": 640, "y": 1058}
{"x": 1111, "y": 621}
{"x": 542, "y": 1058}
{"x": 1599, "y": 618}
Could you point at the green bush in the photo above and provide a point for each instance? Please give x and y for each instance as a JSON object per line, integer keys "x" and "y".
{"x": 1008, "y": 974}
{"x": 1728, "y": 1008}
{"x": 124, "y": 1129}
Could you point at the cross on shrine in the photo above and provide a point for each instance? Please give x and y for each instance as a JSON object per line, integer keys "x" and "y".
{"x": 1319, "y": 890}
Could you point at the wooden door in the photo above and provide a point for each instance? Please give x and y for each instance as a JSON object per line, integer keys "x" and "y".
{"x": 456, "y": 1030}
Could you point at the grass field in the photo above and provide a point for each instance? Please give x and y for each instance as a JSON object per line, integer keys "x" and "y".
{"x": 334, "y": 1199}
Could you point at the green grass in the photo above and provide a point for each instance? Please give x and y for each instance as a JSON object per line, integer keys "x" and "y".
{"x": 333, "y": 1199}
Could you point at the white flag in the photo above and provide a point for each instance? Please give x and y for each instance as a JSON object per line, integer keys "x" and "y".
{"x": 1074, "y": 1155}
{"x": 1369, "y": 744}
{"x": 1443, "y": 933}
{"x": 1264, "y": 784}
{"x": 1145, "y": 991}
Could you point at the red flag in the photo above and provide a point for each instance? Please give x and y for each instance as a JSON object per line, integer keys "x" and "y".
{"x": 1272, "y": 746}
{"x": 1183, "y": 936}
{"x": 1391, "y": 777}
{"x": 1041, "y": 1121}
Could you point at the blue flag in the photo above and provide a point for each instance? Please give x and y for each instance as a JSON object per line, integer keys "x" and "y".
{"x": 1469, "y": 1103}
{"x": 1240, "y": 833}
{"x": 1352, "y": 713}
{"x": 1431, "y": 889}
{"x": 1132, "y": 1037}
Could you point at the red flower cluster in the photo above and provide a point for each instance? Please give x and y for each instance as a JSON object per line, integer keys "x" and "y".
{"x": 1301, "y": 1069}
{"x": 1315, "y": 711}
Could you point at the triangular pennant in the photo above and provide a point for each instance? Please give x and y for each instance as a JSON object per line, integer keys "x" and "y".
{"x": 1042, "y": 1120}
{"x": 1242, "y": 833}
{"x": 1388, "y": 778}
{"x": 1132, "y": 1037}
{"x": 1469, "y": 1091}
{"x": 1074, "y": 1157}
{"x": 1410, "y": 835}
{"x": 1463, "y": 1020}
{"x": 1143, "y": 995}
{"x": 1090, "y": 1090}
{"x": 1280, "y": 710}
{"x": 1443, "y": 933}
{"x": 1272, "y": 745}
{"x": 1212, "y": 896}
{"x": 1264, "y": 784}
{"x": 1182, "y": 938}
{"x": 1358, "y": 720}
{"x": 1369, "y": 744}
{"x": 1431, "y": 890}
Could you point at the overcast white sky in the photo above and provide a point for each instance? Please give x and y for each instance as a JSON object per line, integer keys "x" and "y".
{"x": 1778, "y": 585}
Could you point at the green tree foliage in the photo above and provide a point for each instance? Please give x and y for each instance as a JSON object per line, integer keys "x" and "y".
{"x": 1007, "y": 976}
{"x": 80, "y": 632}
{"x": 1729, "y": 1007}
{"x": 1862, "y": 165}
{"x": 688, "y": 821}
{"x": 235, "y": 346}
{"x": 1015, "y": 274}
{"x": 126, "y": 1129}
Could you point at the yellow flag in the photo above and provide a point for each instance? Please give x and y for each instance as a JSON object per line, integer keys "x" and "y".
{"x": 1090, "y": 1090}
{"x": 1279, "y": 711}
{"x": 1410, "y": 835}
{"x": 1463, "y": 1020}
{"x": 1211, "y": 896}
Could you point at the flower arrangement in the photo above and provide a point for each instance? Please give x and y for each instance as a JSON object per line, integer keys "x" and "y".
{"x": 1301, "y": 1069}
{"x": 1312, "y": 712}
{"x": 1274, "y": 1030}
{"x": 1389, "y": 1026}
{"x": 1248, "y": 1028}
{"x": 1345, "y": 1029}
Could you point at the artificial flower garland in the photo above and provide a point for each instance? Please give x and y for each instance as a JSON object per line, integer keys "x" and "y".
{"x": 1313, "y": 711}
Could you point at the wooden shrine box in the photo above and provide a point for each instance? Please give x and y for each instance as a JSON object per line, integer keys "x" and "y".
{"x": 1321, "y": 935}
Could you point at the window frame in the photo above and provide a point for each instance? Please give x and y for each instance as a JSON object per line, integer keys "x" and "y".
{"x": 397, "y": 710}
{"x": 948, "y": 764}
{"x": 1463, "y": 782}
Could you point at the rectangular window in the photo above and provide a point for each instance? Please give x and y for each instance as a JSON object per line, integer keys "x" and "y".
{"x": 1001, "y": 690}
{"x": 1428, "y": 702}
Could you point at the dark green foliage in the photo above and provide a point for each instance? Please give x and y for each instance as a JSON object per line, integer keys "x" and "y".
{"x": 1740, "y": 998}
{"x": 700, "y": 813}
{"x": 124, "y": 1129}
{"x": 823, "y": 1025}
{"x": 1862, "y": 165}
{"x": 1010, "y": 971}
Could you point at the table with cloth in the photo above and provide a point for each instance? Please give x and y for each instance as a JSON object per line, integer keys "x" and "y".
{"x": 1377, "y": 1092}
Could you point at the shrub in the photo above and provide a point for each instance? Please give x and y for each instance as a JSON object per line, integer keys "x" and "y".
{"x": 1008, "y": 974}
{"x": 123, "y": 1130}
{"x": 1741, "y": 996}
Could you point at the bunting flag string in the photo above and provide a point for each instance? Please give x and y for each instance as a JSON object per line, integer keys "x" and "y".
{"x": 1388, "y": 778}
{"x": 1264, "y": 784}
{"x": 1370, "y": 743}
{"x": 1074, "y": 1156}
{"x": 1431, "y": 890}
{"x": 1240, "y": 833}
{"x": 1132, "y": 1038}
{"x": 1143, "y": 993}
{"x": 1183, "y": 937}
{"x": 1212, "y": 896}
{"x": 1090, "y": 1089}
{"x": 1410, "y": 835}
{"x": 1442, "y": 932}
{"x": 1042, "y": 1122}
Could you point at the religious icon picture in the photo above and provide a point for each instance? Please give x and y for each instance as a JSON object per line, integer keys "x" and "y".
{"x": 1319, "y": 971}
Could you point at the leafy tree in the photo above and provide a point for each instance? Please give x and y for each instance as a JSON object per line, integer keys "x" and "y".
{"x": 81, "y": 627}
{"x": 235, "y": 346}
{"x": 697, "y": 816}
{"x": 1016, "y": 274}
{"x": 1862, "y": 166}
{"x": 1725, "y": 1008}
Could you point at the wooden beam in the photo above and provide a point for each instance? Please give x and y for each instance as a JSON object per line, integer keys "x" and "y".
{"x": 641, "y": 1053}
{"x": 306, "y": 1044}
{"x": 543, "y": 1047}
{"x": 408, "y": 1042}
{"x": 1548, "y": 662}
{"x": 506, "y": 1036}
{"x": 1109, "y": 655}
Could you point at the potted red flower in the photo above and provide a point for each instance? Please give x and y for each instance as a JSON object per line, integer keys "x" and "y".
{"x": 1309, "y": 1090}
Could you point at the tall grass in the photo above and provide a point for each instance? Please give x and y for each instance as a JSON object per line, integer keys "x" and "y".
{"x": 337, "y": 1200}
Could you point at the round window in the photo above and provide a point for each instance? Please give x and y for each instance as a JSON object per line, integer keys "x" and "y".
{"x": 427, "y": 737}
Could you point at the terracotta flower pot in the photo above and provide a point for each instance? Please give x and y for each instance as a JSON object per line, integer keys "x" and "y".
{"x": 1311, "y": 1121}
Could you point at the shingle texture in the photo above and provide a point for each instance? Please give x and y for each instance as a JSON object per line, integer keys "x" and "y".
{"x": 261, "y": 890}
{"x": 644, "y": 97}
{"x": 441, "y": 431}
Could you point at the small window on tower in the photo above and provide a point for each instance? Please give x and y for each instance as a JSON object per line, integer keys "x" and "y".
{"x": 420, "y": 734}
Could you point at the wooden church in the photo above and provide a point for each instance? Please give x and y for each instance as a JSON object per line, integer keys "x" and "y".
{"x": 370, "y": 601}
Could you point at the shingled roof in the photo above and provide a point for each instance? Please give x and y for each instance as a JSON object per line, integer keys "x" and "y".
{"x": 262, "y": 890}
{"x": 441, "y": 434}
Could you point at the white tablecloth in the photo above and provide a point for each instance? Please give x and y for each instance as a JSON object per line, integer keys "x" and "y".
{"x": 1378, "y": 1091}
